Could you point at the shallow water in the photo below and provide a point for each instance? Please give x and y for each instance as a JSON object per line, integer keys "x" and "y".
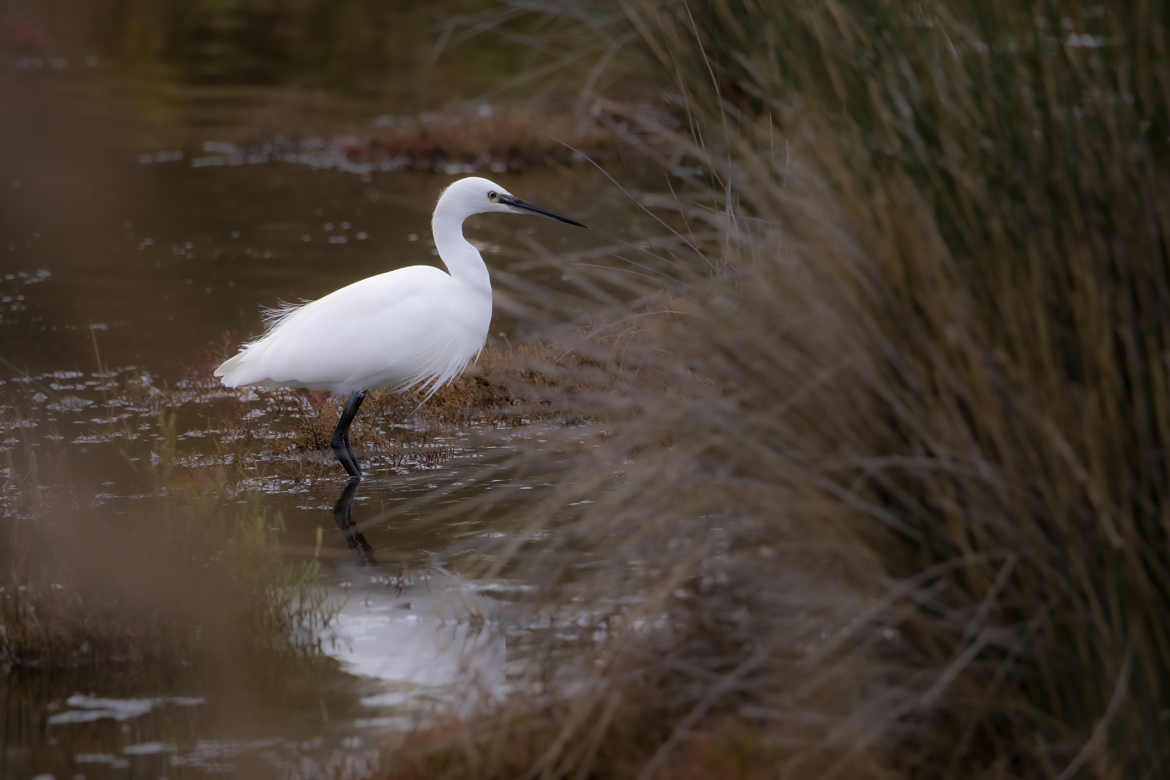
{"x": 416, "y": 632}
{"x": 140, "y": 235}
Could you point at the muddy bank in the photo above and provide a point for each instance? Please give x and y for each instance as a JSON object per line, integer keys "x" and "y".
{"x": 479, "y": 138}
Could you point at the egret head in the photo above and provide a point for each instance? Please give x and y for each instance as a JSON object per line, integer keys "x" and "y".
{"x": 476, "y": 195}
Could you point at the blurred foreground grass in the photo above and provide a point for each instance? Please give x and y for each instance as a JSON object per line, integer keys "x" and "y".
{"x": 885, "y": 490}
{"x": 182, "y": 591}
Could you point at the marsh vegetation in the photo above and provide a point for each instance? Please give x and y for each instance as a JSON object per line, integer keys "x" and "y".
{"x": 842, "y": 453}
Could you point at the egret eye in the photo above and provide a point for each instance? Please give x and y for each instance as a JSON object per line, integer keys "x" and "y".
{"x": 492, "y": 195}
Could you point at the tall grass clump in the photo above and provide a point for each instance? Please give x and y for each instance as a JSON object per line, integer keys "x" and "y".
{"x": 883, "y": 488}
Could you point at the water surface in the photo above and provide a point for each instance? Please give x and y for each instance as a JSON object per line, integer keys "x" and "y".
{"x": 140, "y": 236}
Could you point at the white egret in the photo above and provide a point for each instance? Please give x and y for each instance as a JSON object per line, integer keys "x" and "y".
{"x": 415, "y": 327}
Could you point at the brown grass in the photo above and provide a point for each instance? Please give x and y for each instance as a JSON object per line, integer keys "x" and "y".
{"x": 894, "y": 500}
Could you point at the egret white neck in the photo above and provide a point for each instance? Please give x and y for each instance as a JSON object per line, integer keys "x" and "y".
{"x": 463, "y": 260}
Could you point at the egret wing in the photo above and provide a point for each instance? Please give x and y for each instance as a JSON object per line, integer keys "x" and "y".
{"x": 398, "y": 329}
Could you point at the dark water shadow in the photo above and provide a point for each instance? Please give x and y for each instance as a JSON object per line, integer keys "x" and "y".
{"x": 343, "y": 516}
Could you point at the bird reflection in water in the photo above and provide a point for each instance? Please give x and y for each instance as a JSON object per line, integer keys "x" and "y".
{"x": 343, "y": 516}
{"x": 430, "y": 638}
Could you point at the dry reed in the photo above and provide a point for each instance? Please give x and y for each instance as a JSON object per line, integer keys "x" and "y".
{"x": 884, "y": 493}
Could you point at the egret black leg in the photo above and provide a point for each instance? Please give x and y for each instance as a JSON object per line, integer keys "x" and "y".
{"x": 341, "y": 435}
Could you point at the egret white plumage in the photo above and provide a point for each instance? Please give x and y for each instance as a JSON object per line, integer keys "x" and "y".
{"x": 415, "y": 327}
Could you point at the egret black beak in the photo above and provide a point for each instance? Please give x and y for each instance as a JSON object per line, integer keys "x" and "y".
{"x": 516, "y": 203}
